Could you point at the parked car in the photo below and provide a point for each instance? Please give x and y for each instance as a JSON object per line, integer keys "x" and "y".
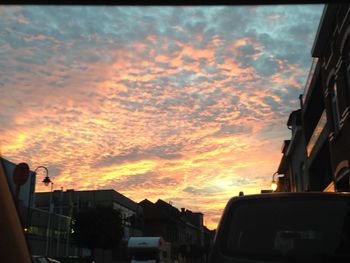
{"x": 74, "y": 259}
{"x": 43, "y": 259}
{"x": 39, "y": 259}
{"x": 51, "y": 260}
{"x": 284, "y": 227}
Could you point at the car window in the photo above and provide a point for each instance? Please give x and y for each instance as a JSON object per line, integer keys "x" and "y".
{"x": 291, "y": 229}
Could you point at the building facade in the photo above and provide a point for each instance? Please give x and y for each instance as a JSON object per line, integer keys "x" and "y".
{"x": 296, "y": 152}
{"x": 190, "y": 239}
{"x": 332, "y": 48}
{"x": 322, "y": 164}
{"x": 65, "y": 204}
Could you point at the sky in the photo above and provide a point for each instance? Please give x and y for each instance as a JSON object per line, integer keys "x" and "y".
{"x": 185, "y": 104}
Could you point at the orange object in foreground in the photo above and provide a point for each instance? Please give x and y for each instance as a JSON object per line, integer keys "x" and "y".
{"x": 13, "y": 245}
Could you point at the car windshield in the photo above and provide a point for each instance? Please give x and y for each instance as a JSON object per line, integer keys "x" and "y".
{"x": 121, "y": 121}
{"x": 289, "y": 229}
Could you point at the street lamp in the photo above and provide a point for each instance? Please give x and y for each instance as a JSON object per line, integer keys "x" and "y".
{"x": 46, "y": 182}
{"x": 47, "y": 179}
{"x": 274, "y": 182}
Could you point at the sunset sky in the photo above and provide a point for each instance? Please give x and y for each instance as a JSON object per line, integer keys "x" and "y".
{"x": 185, "y": 104}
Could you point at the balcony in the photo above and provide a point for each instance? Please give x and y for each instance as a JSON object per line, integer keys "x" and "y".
{"x": 309, "y": 78}
{"x": 317, "y": 132}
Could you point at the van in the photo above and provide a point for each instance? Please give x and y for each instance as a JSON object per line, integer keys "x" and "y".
{"x": 149, "y": 250}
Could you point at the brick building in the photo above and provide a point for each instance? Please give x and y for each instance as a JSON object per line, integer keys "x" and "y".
{"x": 323, "y": 119}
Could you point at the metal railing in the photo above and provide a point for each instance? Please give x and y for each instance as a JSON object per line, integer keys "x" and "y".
{"x": 316, "y": 133}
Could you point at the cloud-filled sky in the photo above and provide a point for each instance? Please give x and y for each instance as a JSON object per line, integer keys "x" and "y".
{"x": 186, "y": 104}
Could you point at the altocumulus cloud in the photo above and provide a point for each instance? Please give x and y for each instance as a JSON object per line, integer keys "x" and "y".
{"x": 178, "y": 103}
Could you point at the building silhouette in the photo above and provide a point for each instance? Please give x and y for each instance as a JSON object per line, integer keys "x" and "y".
{"x": 318, "y": 154}
{"x": 190, "y": 239}
{"x": 68, "y": 203}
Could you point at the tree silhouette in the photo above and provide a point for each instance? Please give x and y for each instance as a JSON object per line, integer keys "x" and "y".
{"x": 99, "y": 227}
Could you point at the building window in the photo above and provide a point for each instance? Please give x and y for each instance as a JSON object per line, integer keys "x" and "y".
{"x": 342, "y": 182}
{"x": 342, "y": 174}
{"x": 335, "y": 107}
{"x": 348, "y": 81}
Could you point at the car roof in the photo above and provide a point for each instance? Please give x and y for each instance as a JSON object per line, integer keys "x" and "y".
{"x": 290, "y": 195}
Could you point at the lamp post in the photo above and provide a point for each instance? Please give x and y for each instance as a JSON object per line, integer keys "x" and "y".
{"x": 46, "y": 182}
{"x": 274, "y": 182}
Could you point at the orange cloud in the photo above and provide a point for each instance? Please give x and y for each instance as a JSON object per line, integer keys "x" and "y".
{"x": 69, "y": 116}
